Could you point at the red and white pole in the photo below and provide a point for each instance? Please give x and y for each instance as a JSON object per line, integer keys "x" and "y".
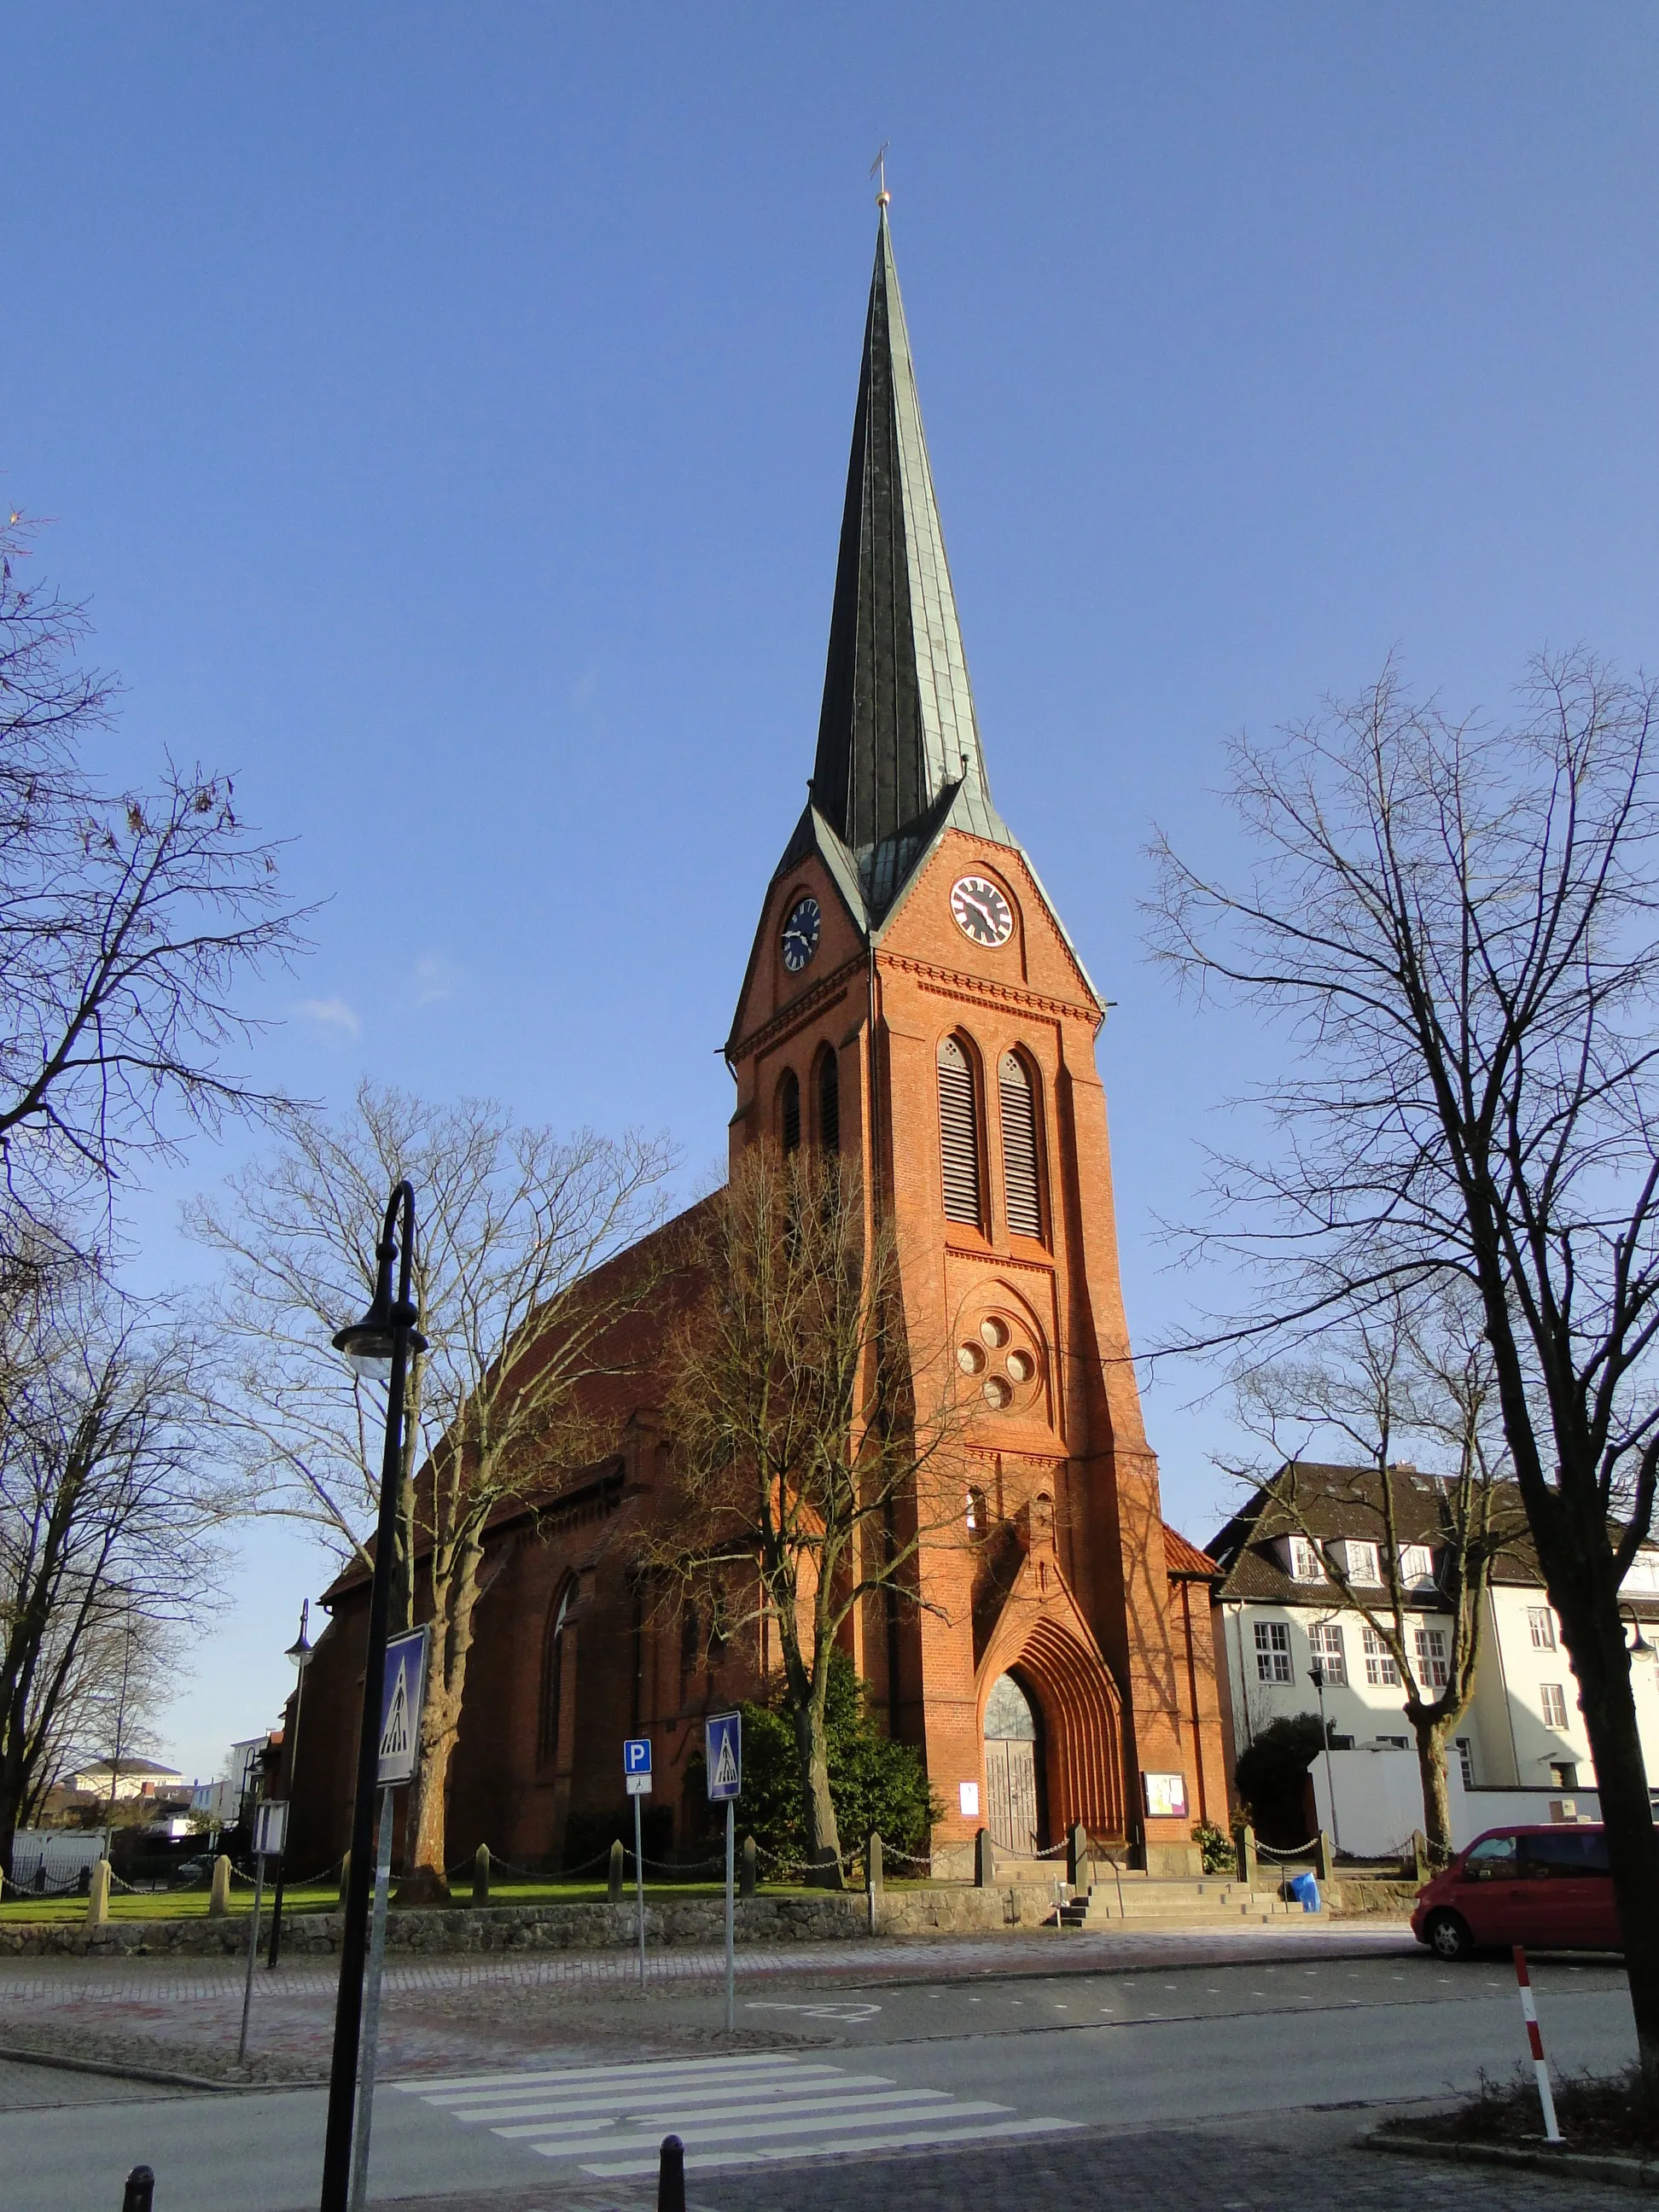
{"x": 1540, "y": 2063}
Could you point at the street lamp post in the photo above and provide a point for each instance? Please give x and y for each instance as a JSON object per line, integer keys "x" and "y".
{"x": 380, "y": 1343}
{"x": 1316, "y": 1676}
{"x": 300, "y": 1652}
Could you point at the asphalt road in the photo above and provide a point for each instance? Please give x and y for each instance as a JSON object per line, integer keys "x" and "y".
{"x": 1015, "y": 2072}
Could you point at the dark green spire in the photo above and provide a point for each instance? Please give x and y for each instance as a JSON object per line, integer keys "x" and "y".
{"x": 898, "y": 739}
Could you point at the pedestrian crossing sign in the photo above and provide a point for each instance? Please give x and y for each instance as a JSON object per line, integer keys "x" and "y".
{"x": 403, "y": 1693}
{"x": 723, "y": 1745}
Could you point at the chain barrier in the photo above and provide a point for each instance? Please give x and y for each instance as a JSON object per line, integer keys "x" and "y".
{"x": 1296, "y": 1851}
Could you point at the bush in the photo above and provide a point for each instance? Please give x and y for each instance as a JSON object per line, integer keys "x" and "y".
{"x": 874, "y": 1782}
{"x": 1217, "y": 1846}
{"x": 1272, "y": 1773}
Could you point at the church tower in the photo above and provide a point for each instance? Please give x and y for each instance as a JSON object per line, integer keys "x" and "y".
{"x": 913, "y": 999}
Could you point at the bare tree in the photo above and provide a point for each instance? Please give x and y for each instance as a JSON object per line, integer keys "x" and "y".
{"x": 1389, "y": 1377}
{"x": 812, "y": 1448}
{"x": 128, "y": 918}
{"x": 110, "y": 1509}
{"x": 1456, "y": 922}
{"x": 524, "y": 1327}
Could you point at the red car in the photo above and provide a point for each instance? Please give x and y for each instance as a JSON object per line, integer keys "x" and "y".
{"x": 1549, "y": 1886}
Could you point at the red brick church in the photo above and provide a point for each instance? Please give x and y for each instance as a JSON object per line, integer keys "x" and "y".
{"x": 912, "y": 999}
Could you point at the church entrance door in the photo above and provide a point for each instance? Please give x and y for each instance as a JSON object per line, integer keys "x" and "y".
{"x": 1013, "y": 1812}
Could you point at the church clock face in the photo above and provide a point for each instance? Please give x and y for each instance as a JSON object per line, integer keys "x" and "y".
{"x": 800, "y": 934}
{"x": 981, "y": 911}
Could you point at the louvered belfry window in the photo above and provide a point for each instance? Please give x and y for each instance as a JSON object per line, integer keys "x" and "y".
{"x": 958, "y": 1133}
{"x": 829, "y": 1103}
{"x": 1019, "y": 1148}
{"x": 789, "y": 1112}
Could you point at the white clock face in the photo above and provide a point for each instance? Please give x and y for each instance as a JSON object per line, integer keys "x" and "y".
{"x": 800, "y": 934}
{"x": 981, "y": 911}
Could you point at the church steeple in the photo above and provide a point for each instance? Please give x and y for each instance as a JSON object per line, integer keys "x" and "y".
{"x": 898, "y": 746}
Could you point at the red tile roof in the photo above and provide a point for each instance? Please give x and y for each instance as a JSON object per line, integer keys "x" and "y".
{"x": 1184, "y": 1560}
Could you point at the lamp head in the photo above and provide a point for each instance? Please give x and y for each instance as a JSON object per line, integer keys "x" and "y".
{"x": 1639, "y": 1646}
{"x": 368, "y": 1344}
{"x": 300, "y": 1650}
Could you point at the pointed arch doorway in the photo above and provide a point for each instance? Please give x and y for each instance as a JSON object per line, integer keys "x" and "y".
{"x": 1013, "y": 1768}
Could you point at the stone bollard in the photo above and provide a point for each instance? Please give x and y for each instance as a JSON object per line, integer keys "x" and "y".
{"x": 481, "y": 1875}
{"x": 1418, "y": 1864}
{"x": 1080, "y": 1867}
{"x": 671, "y": 2176}
{"x": 618, "y": 1868}
{"x": 746, "y": 1868}
{"x": 219, "y": 1893}
{"x": 139, "y": 2196}
{"x": 1244, "y": 1843}
{"x": 345, "y": 1875}
{"x": 874, "y": 1878}
{"x": 984, "y": 1861}
{"x": 1324, "y": 1858}
{"x": 98, "y": 1895}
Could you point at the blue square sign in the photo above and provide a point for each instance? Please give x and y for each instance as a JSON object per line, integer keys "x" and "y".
{"x": 637, "y": 1754}
{"x": 723, "y": 1741}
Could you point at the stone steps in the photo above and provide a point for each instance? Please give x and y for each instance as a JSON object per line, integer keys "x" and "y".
{"x": 1151, "y": 1903}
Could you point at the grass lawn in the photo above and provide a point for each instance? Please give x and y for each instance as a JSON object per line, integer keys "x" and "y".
{"x": 193, "y": 1903}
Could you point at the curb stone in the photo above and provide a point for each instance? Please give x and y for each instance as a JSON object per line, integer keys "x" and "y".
{"x": 1579, "y": 2165}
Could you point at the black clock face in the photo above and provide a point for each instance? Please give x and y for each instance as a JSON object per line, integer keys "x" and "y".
{"x": 981, "y": 911}
{"x": 800, "y": 934}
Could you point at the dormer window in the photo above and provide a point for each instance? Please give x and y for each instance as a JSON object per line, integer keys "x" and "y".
{"x": 1360, "y": 1562}
{"x": 1644, "y": 1571}
{"x": 1416, "y": 1565}
{"x": 1302, "y": 1557}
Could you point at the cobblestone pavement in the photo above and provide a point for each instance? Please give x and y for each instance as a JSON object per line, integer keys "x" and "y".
{"x": 453, "y": 2013}
{"x": 1287, "y": 2164}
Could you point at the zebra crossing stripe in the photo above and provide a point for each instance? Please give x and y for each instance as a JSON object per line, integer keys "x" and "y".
{"x": 693, "y": 2068}
{"x": 736, "y": 2132}
{"x": 757, "y": 2098}
{"x": 836, "y": 2147}
{"x": 833, "y": 2105}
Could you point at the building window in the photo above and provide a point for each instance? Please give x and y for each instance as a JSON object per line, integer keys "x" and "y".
{"x": 1555, "y": 1704}
{"x": 1395, "y": 1743}
{"x": 958, "y": 1133}
{"x": 553, "y": 1673}
{"x": 691, "y": 1638}
{"x": 1542, "y": 1621}
{"x": 1326, "y": 1639}
{"x": 1380, "y": 1669}
{"x": 789, "y": 1111}
{"x": 1644, "y": 1571}
{"x": 1361, "y": 1562}
{"x": 979, "y": 1516}
{"x": 1273, "y": 1651}
{"x": 1431, "y": 1658}
{"x": 829, "y": 1101}
{"x": 1466, "y": 1760}
{"x": 1416, "y": 1565}
{"x": 1022, "y": 1188}
{"x": 1563, "y": 1773}
{"x": 1306, "y": 1566}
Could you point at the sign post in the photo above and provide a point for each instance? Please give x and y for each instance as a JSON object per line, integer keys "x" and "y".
{"x": 403, "y": 1696}
{"x": 723, "y": 1753}
{"x": 269, "y": 1831}
{"x": 636, "y": 1773}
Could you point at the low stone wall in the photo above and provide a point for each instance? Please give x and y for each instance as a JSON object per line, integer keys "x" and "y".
{"x": 1356, "y": 1899}
{"x": 698, "y": 1922}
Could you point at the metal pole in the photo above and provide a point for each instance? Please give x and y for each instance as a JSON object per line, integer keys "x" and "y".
{"x": 1325, "y": 1741}
{"x": 639, "y": 1886}
{"x": 253, "y": 1953}
{"x": 354, "y": 1935}
{"x": 372, "y": 2010}
{"x": 731, "y": 1970}
{"x": 282, "y": 1857}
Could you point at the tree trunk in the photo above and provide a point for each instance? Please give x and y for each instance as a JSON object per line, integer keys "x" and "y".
{"x": 1437, "y": 1795}
{"x": 1601, "y": 1663}
{"x": 822, "y": 1838}
{"x": 425, "y": 1881}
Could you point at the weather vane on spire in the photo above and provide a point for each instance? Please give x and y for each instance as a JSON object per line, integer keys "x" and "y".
{"x": 878, "y": 168}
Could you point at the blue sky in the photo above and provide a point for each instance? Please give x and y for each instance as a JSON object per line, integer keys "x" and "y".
{"x": 446, "y": 411}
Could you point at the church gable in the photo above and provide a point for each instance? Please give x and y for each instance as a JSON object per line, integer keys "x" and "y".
{"x": 954, "y": 932}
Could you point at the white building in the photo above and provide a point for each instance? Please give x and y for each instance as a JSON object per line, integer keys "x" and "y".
{"x": 133, "y": 1777}
{"x": 1278, "y": 1614}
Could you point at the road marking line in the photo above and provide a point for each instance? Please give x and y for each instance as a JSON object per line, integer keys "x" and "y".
{"x": 736, "y": 2132}
{"x": 501, "y": 2103}
{"x": 674, "y": 2118}
{"x": 759, "y": 2062}
{"x": 844, "y": 2147}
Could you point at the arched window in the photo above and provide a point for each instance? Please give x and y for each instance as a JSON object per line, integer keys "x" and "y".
{"x": 789, "y": 1111}
{"x": 979, "y": 1512}
{"x": 958, "y": 1133}
{"x": 828, "y": 1101}
{"x": 553, "y": 1673}
{"x": 1022, "y": 1184}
